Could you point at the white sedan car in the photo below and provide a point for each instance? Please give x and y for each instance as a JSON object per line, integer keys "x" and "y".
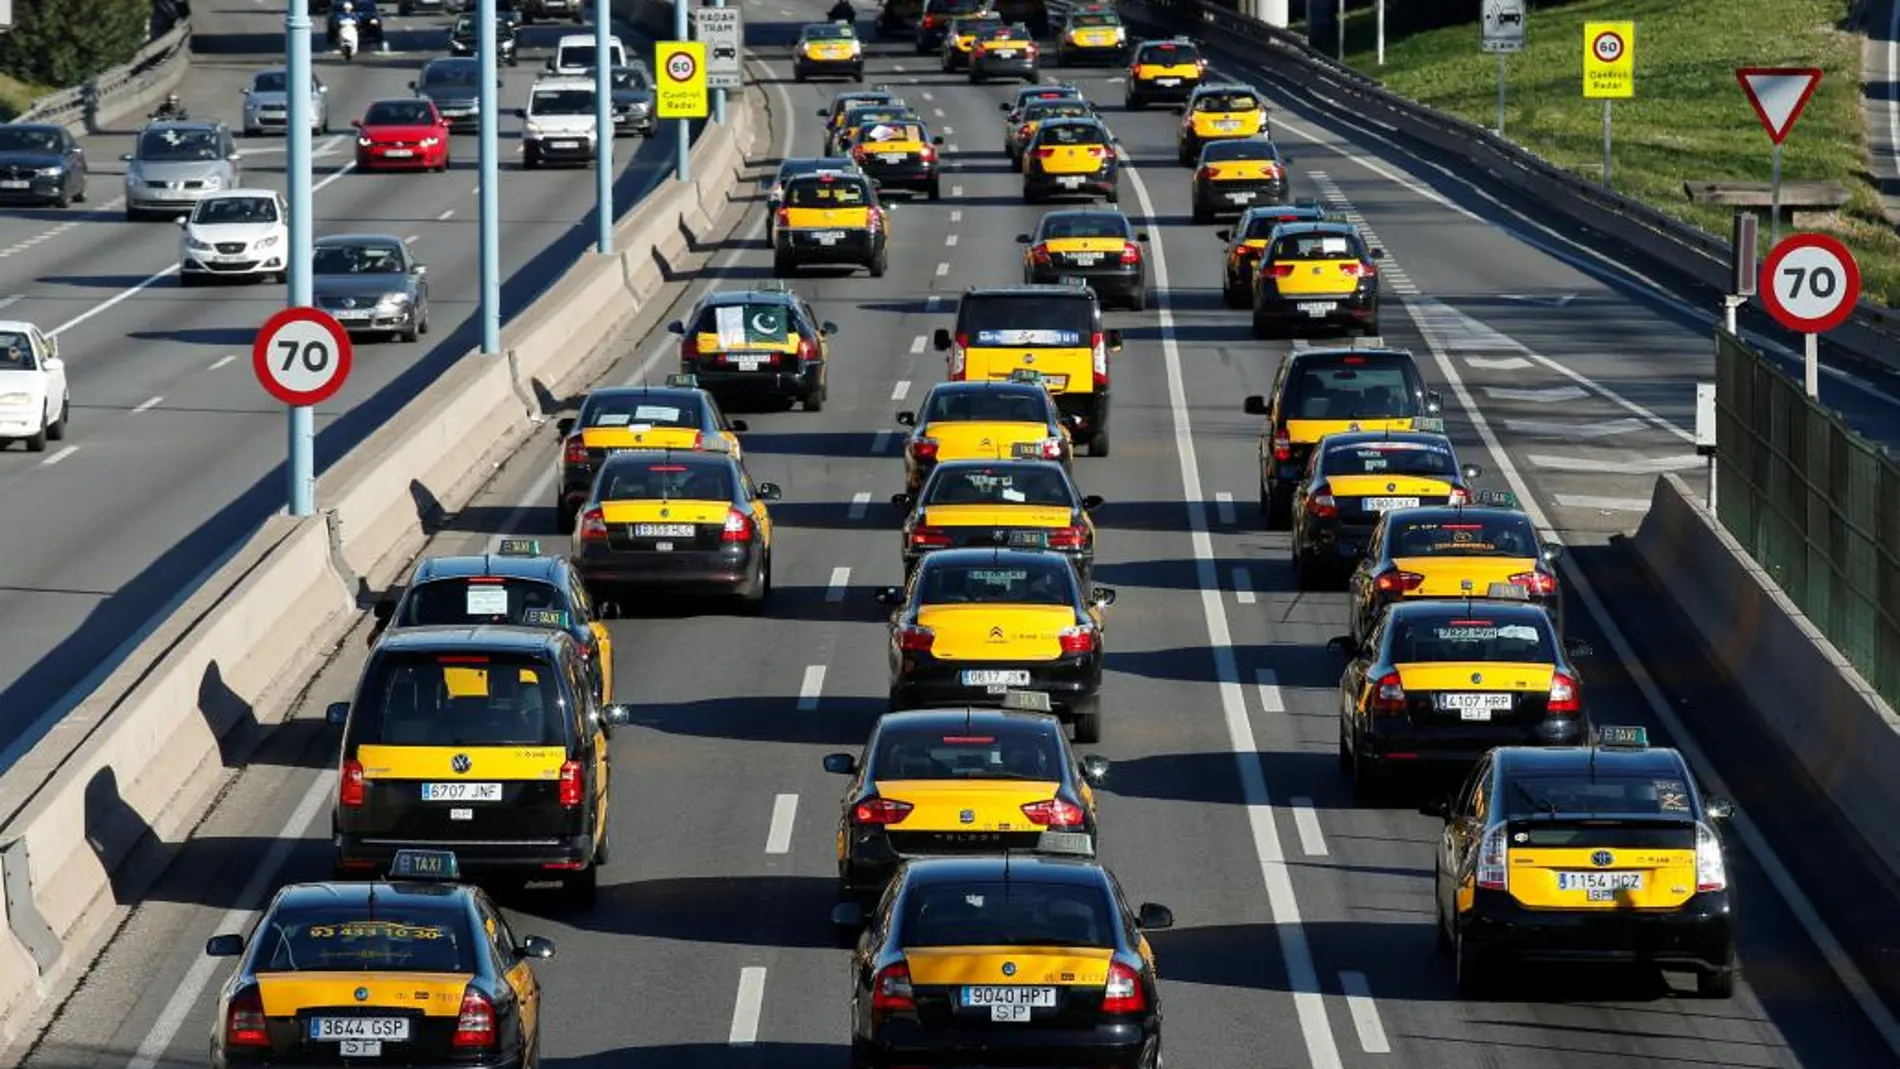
{"x": 33, "y": 398}
{"x": 239, "y": 233}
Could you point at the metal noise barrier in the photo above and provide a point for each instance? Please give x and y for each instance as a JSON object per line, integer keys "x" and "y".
{"x": 1815, "y": 504}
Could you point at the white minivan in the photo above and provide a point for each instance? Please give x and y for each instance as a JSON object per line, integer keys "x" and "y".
{"x": 574, "y": 56}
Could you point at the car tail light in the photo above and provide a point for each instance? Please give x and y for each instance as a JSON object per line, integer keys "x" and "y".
{"x": 1047, "y": 152}
{"x": 808, "y": 349}
{"x": 689, "y": 348}
{"x": 1098, "y": 345}
{"x": 1039, "y": 255}
{"x": 890, "y": 989}
{"x": 1023, "y": 132}
{"x": 1076, "y": 537}
{"x": 593, "y": 526}
{"x": 1273, "y": 171}
{"x": 932, "y": 21}
{"x": 957, "y": 357}
{"x": 1205, "y": 174}
{"x": 912, "y": 638}
{"x": 1100, "y": 152}
{"x": 1248, "y": 252}
{"x": 1131, "y": 253}
{"x": 1320, "y": 503}
{"x": 1458, "y": 496}
{"x": 1397, "y": 582}
{"x": 1493, "y": 851}
{"x": 923, "y": 448}
{"x": 880, "y": 811}
{"x": 1123, "y": 993}
{"x": 1279, "y": 270}
{"x": 350, "y": 788}
{"x": 1282, "y": 447}
{"x": 699, "y": 439}
{"x": 570, "y": 784}
{"x": 859, "y": 154}
{"x": 738, "y": 527}
{"x": 1033, "y": 49}
{"x": 1358, "y": 270}
{"x": 1564, "y": 698}
{"x": 928, "y": 153}
{"x": 575, "y": 451}
{"x": 1538, "y": 584}
{"x": 929, "y": 538}
{"x": 784, "y": 217}
{"x": 1082, "y": 638}
{"x": 1388, "y": 695}
{"x": 475, "y": 1025}
{"x": 1053, "y": 813}
{"x": 1051, "y": 448}
{"x": 244, "y": 1020}
{"x": 1711, "y": 870}
{"x": 1200, "y": 65}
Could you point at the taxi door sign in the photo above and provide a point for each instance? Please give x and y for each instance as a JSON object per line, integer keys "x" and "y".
{"x": 680, "y": 89}
{"x": 1609, "y": 60}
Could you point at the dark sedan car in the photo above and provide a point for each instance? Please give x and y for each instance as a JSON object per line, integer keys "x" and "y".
{"x": 633, "y": 100}
{"x": 465, "y": 38}
{"x": 41, "y": 163}
{"x": 371, "y": 284}
{"x": 454, "y": 84}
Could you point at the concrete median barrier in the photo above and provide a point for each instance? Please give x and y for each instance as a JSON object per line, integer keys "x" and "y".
{"x": 1800, "y": 686}
{"x": 90, "y": 815}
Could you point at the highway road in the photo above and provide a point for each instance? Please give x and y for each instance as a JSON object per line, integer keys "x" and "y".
{"x": 1303, "y": 935}
{"x": 175, "y": 453}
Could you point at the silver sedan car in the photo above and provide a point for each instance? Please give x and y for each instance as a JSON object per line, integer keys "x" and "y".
{"x": 371, "y": 284}
{"x": 173, "y": 165}
{"x": 267, "y": 104}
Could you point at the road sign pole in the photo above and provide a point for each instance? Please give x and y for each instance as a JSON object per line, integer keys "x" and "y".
{"x": 682, "y": 163}
{"x": 1500, "y": 94}
{"x": 490, "y": 180}
{"x": 1378, "y": 16}
{"x": 301, "y": 433}
{"x": 1774, "y": 199}
{"x": 603, "y": 130}
{"x": 1339, "y": 32}
{"x": 1811, "y": 361}
{"x": 719, "y": 95}
{"x": 1606, "y": 144}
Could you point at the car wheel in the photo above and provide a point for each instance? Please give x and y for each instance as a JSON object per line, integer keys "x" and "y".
{"x": 935, "y": 190}
{"x": 1088, "y": 721}
{"x": 1261, "y": 329}
{"x": 582, "y": 889}
{"x": 408, "y": 334}
{"x": 63, "y": 199}
{"x": 1138, "y": 299}
{"x": 79, "y": 195}
{"x": 36, "y": 442}
{"x": 1202, "y": 215}
{"x": 755, "y": 600}
{"x": 1306, "y": 577}
{"x": 781, "y": 267}
{"x": 1470, "y": 973}
{"x": 187, "y": 279}
{"x": 798, "y": 75}
{"x": 815, "y": 400}
{"x": 880, "y": 263}
{"x": 1098, "y": 444}
{"x": 1114, "y": 195}
{"x": 1719, "y": 983}
{"x": 1279, "y": 510}
{"x": 56, "y": 430}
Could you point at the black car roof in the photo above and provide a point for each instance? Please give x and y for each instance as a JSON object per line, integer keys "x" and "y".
{"x": 449, "y": 900}
{"x": 960, "y": 717}
{"x": 1023, "y": 868}
{"x": 1319, "y": 226}
{"x": 988, "y": 555}
{"x": 540, "y": 569}
{"x": 1352, "y": 438}
{"x": 1463, "y": 608}
{"x": 673, "y": 393}
{"x": 1031, "y": 289}
{"x": 472, "y": 638}
{"x": 1606, "y": 760}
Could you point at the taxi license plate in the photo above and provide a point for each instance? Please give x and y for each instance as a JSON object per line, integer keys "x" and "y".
{"x": 893, "y": 157}
{"x": 1387, "y": 504}
{"x": 1009, "y": 1003}
{"x": 1227, "y": 124}
{"x": 1240, "y": 198}
{"x": 995, "y": 677}
{"x": 461, "y": 792}
{"x": 1600, "y": 885}
{"x": 1085, "y": 259}
{"x": 1070, "y": 181}
{"x": 399, "y": 153}
{"x": 1318, "y": 308}
{"x": 1167, "y": 81}
{"x": 1004, "y": 53}
{"x": 16, "y": 184}
{"x": 1029, "y": 539}
{"x": 335, "y": 1029}
{"x": 829, "y": 237}
{"x": 662, "y": 530}
{"x": 360, "y": 1048}
{"x": 1478, "y": 707}
{"x": 564, "y": 144}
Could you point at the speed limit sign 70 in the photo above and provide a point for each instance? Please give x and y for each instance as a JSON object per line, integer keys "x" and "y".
{"x": 302, "y": 356}
{"x": 1810, "y": 283}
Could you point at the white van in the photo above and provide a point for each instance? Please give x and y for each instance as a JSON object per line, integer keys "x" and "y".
{"x": 574, "y": 56}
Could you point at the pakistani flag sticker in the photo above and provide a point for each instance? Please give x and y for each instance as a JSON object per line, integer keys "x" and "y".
{"x": 766, "y": 323}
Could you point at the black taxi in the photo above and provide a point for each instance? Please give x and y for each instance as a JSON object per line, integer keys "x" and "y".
{"x": 831, "y": 218}
{"x": 678, "y": 415}
{"x": 1071, "y": 158}
{"x": 1099, "y": 246}
{"x": 1247, "y": 242}
{"x": 415, "y": 969}
{"x": 1233, "y": 174}
{"x": 1316, "y": 277}
{"x": 487, "y": 741}
{"x": 1453, "y": 551}
{"x": 1025, "y": 504}
{"x": 1356, "y": 476}
{"x": 1055, "y": 331}
{"x": 986, "y": 420}
{"x": 1608, "y": 853}
{"x": 1162, "y": 72}
{"x": 764, "y": 341}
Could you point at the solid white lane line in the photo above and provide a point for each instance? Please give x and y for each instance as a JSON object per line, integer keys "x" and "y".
{"x": 840, "y": 579}
{"x": 264, "y": 877}
{"x": 880, "y": 442}
{"x": 950, "y": 240}
{"x": 411, "y": 239}
{"x": 901, "y": 390}
{"x": 149, "y": 404}
{"x": 808, "y": 690}
{"x": 1268, "y": 685}
{"x": 59, "y": 456}
{"x": 1365, "y": 1013}
{"x": 1224, "y": 507}
{"x": 860, "y": 501}
{"x": 11, "y": 300}
{"x": 745, "y": 1009}
{"x": 1243, "y": 586}
{"x": 221, "y": 361}
{"x": 1306, "y": 822}
{"x": 445, "y": 215}
{"x": 1296, "y": 953}
{"x": 917, "y": 344}
{"x": 778, "y": 840}
{"x": 943, "y": 269}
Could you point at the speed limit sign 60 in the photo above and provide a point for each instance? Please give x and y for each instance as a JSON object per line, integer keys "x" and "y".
{"x": 680, "y": 67}
{"x": 1810, "y": 283}
{"x": 302, "y": 356}
{"x": 1608, "y": 47}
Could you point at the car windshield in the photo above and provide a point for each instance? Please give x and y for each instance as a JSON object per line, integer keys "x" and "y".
{"x": 1223, "y": 151}
{"x": 1011, "y": 582}
{"x": 1601, "y": 794}
{"x": 270, "y": 82}
{"x": 451, "y": 74}
{"x": 641, "y": 410}
{"x": 1084, "y": 225}
{"x": 667, "y": 481}
{"x": 379, "y": 258}
{"x": 562, "y": 102}
{"x": 453, "y": 699}
{"x": 1226, "y": 102}
{"x": 236, "y": 210}
{"x": 1388, "y": 458}
{"x": 1359, "y": 387}
{"x": 29, "y": 140}
{"x": 1014, "y": 752}
{"x": 1261, "y": 224}
{"x": 990, "y": 406}
{"x": 1071, "y": 133}
{"x": 630, "y": 78}
{"x": 1026, "y": 320}
{"x": 1096, "y": 18}
{"x": 828, "y": 193}
{"x": 830, "y": 31}
{"x": 464, "y": 26}
{"x": 399, "y": 113}
{"x": 1015, "y": 484}
{"x": 484, "y": 600}
{"x": 175, "y": 145}
{"x": 1013, "y": 913}
{"x": 1439, "y": 638}
{"x": 16, "y": 352}
{"x": 1473, "y": 535}
{"x": 382, "y": 938}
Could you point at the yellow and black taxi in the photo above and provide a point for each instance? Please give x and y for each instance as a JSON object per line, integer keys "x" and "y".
{"x": 973, "y": 623}
{"x": 1356, "y": 476}
{"x": 1318, "y": 392}
{"x": 1023, "y": 123}
{"x": 1247, "y": 242}
{"x": 902, "y": 156}
{"x": 937, "y": 16}
{"x": 850, "y": 127}
{"x": 1316, "y": 276}
{"x": 1012, "y": 419}
{"x": 976, "y": 780}
{"x": 764, "y": 341}
{"x": 1453, "y": 551}
{"x": 1038, "y": 94}
{"x": 514, "y": 584}
{"x": 415, "y": 969}
{"x": 1012, "y": 960}
{"x": 678, "y": 415}
{"x": 664, "y": 519}
{"x": 1162, "y": 72}
{"x": 828, "y": 49}
{"x": 1437, "y": 683}
{"x": 484, "y": 740}
{"x": 1220, "y": 111}
{"x": 1072, "y": 157}
{"x": 1008, "y": 51}
{"x": 1091, "y": 33}
{"x": 1097, "y": 246}
{"x": 831, "y": 217}
{"x": 961, "y": 39}
{"x": 792, "y": 168}
{"x": 1024, "y": 504}
{"x": 1055, "y": 331}
{"x": 1608, "y": 853}
{"x": 1234, "y": 175}
{"x": 841, "y": 105}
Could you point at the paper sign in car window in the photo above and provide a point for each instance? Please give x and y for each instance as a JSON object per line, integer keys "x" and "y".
{"x": 1467, "y": 634}
{"x": 1335, "y": 247}
{"x": 1000, "y": 578}
{"x": 657, "y": 413}
{"x": 729, "y": 323}
{"x": 1518, "y": 633}
{"x": 486, "y": 600}
{"x": 612, "y": 419}
{"x": 1028, "y": 337}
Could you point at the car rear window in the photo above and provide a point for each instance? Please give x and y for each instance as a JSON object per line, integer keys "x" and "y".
{"x": 956, "y": 7}
{"x": 1017, "y": 913}
{"x": 390, "y": 938}
{"x": 1602, "y": 794}
{"x": 1019, "y": 484}
{"x": 1474, "y": 536}
{"x": 640, "y": 410}
{"x": 1170, "y": 54}
{"x": 1084, "y": 225}
{"x": 674, "y": 480}
{"x": 819, "y": 193}
{"x": 1026, "y": 320}
{"x": 830, "y": 31}
{"x": 1015, "y": 752}
{"x": 1388, "y": 458}
{"x": 976, "y": 25}
{"x": 1000, "y": 406}
{"x": 1262, "y": 224}
{"x": 399, "y": 113}
{"x": 1015, "y": 582}
{"x": 1071, "y": 133}
{"x": 1319, "y": 247}
{"x": 1519, "y": 637}
{"x": 1221, "y": 151}
{"x": 1096, "y": 18}
{"x": 1226, "y": 102}
{"x": 484, "y": 600}
{"x": 1040, "y": 111}
{"x": 428, "y": 699}
{"x": 1017, "y": 32}
{"x": 747, "y": 325}
{"x": 1371, "y": 387}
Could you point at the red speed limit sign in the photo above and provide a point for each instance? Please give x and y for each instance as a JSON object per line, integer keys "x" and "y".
{"x": 302, "y": 356}
{"x": 1810, "y": 283}
{"x": 1608, "y": 47}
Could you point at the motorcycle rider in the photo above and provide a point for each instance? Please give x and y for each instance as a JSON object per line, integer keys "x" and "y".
{"x": 172, "y": 108}
{"x": 842, "y": 11}
{"x": 346, "y": 29}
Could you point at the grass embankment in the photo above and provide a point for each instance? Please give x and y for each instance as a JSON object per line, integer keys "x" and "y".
{"x": 1689, "y": 119}
{"x": 16, "y": 96}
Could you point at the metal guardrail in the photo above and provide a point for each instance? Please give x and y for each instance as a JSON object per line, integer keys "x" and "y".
{"x": 82, "y": 105}
{"x": 1872, "y": 334}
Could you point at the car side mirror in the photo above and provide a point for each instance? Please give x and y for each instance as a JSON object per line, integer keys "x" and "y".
{"x": 444, "y": 122}
{"x": 181, "y": 221}
{"x": 828, "y": 328}
{"x": 941, "y": 340}
{"x": 564, "y": 426}
{"x": 419, "y": 270}
{"x": 848, "y": 915}
{"x": 1255, "y": 405}
{"x": 617, "y": 714}
{"x": 384, "y": 608}
{"x": 1378, "y": 254}
{"x": 1471, "y": 472}
{"x": 907, "y": 419}
{"x": 336, "y": 713}
{"x": 536, "y": 947}
{"x": 521, "y": 113}
{"x": 412, "y": 85}
{"x": 234, "y": 157}
{"x": 1578, "y": 648}
{"x": 125, "y": 157}
{"x": 820, "y": 112}
{"x": 1434, "y": 403}
{"x": 1718, "y": 808}
{"x": 1154, "y": 917}
{"x": 938, "y": 140}
{"x": 770, "y": 492}
{"x": 1436, "y": 807}
{"x": 1114, "y": 338}
{"x": 1102, "y": 595}
{"x": 1344, "y": 645}
{"x": 738, "y": 426}
{"x": 676, "y": 327}
{"x": 1094, "y": 769}
{"x": 356, "y": 122}
{"x": 1022, "y": 239}
{"x": 1142, "y": 237}
{"x": 890, "y": 595}
{"x": 1003, "y": 107}
{"x": 902, "y": 500}
{"x": 840, "y": 764}
{"x": 1550, "y": 551}
{"x": 1093, "y": 502}
{"x": 224, "y": 946}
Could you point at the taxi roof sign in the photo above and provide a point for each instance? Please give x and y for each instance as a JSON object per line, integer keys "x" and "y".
{"x": 1507, "y": 592}
{"x": 1027, "y": 701}
{"x": 518, "y": 547}
{"x": 424, "y": 865}
{"x": 1623, "y": 736}
{"x": 1025, "y": 374}
{"x": 1428, "y": 424}
{"x": 1502, "y": 499}
{"x": 687, "y": 382}
{"x": 1066, "y": 843}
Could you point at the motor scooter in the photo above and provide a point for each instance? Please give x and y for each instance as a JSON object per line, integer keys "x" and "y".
{"x": 346, "y": 40}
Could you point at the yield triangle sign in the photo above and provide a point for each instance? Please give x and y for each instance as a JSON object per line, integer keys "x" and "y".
{"x": 1778, "y": 94}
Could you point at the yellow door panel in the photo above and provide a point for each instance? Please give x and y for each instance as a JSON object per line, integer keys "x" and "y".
{"x": 434, "y": 994}
{"x": 996, "y": 516}
{"x": 1456, "y": 676}
{"x": 1060, "y": 966}
{"x": 939, "y": 804}
{"x": 677, "y": 511}
{"x": 996, "y": 632}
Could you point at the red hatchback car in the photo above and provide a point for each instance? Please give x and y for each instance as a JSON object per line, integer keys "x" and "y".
{"x": 407, "y": 134}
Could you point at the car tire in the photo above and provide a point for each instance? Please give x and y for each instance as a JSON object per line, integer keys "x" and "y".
{"x": 935, "y": 190}
{"x": 815, "y": 400}
{"x": 1306, "y": 577}
{"x": 880, "y": 263}
{"x": 1470, "y": 974}
{"x": 1138, "y": 302}
{"x": 1261, "y": 328}
{"x": 408, "y": 335}
{"x": 781, "y": 267}
{"x": 56, "y": 430}
{"x": 582, "y": 889}
{"x": 975, "y": 78}
{"x": 1087, "y": 718}
{"x": 36, "y": 442}
{"x": 63, "y": 199}
{"x": 1718, "y": 983}
{"x": 188, "y": 280}
{"x": 79, "y": 195}
{"x": 1202, "y": 215}
{"x": 1133, "y": 103}
{"x": 1232, "y": 297}
{"x": 1279, "y": 505}
{"x": 898, "y": 700}
{"x": 798, "y": 75}
{"x": 1098, "y": 443}
{"x": 132, "y": 215}
{"x": 754, "y": 601}
{"x": 1442, "y": 940}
